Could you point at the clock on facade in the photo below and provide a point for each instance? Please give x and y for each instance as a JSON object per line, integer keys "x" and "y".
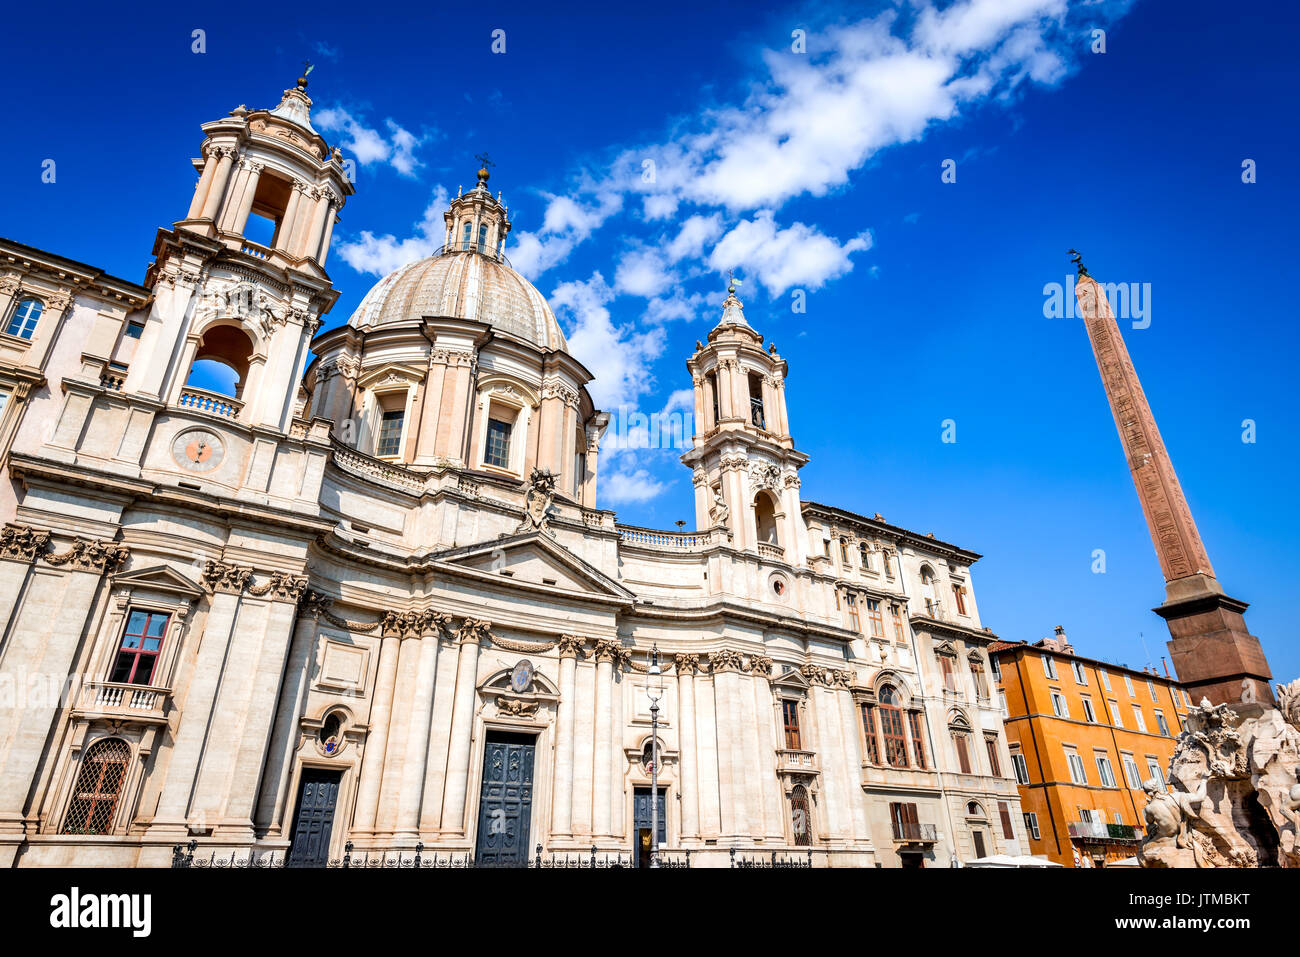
{"x": 198, "y": 450}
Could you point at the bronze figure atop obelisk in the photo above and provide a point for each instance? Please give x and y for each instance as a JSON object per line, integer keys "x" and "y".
{"x": 1215, "y": 655}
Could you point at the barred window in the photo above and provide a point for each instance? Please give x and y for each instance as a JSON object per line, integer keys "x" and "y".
{"x": 138, "y": 653}
{"x": 99, "y": 786}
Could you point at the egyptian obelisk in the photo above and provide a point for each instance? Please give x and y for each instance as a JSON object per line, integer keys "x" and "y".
{"x": 1215, "y": 655}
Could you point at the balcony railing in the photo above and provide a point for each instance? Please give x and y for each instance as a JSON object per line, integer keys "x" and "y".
{"x": 671, "y": 541}
{"x": 210, "y": 403}
{"x": 1101, "y": 831}
{"x": 123, "y": 700}
{"x": 793, "y": 759}
{"x": 469, "y": 246}
{"x": 913, "y": 832}
{"x": 768, "y": 550}
{"x": 254, "y": 250}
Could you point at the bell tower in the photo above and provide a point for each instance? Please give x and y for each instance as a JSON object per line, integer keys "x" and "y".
{"x": 241, "y": 279}
{"x": 744, "y": 463}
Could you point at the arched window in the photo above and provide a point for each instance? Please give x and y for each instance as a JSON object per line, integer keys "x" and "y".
{"x": 468, "y": 235}
{"x": 891, "y": 728}
{"x": 98, "y": 788}
{"x": 25, "y": 316}
{"x": 482, "y": 238}
{"x": 221, "y": 364}
{"x": 800, "y": 816}
{"x": 928, "y": 592}
{"x": 960, "y": 731}
{"x": 765, "y": 518}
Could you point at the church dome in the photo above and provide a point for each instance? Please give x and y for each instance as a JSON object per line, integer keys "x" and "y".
{"x": 464, "y": 285}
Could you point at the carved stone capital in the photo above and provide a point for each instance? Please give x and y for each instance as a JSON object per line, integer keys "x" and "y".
{"x": 725, "y": 660}
{"x": 609, "y": 650}
{"x": 474, "y": 629}
{"x": 760, "y": 664}
{"x": 22, "y": 543}
{"x": 281, "y": 586}
{"x": 228, "y": 579}
{"x": 571, "y": 646}
{"x": 687, "y": 664}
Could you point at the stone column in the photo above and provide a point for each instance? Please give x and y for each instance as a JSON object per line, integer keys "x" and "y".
{"x": 766, "y": 730}
{"x": 562, "y": 790}
{"x": 202, "y": 186}
{"x": 242, "y": 191}
{"x": 399, "y": 723}
{"x": 689, "y": 791}
{"x": 284, "y": 735}
{"x": 731, "y": 755}
{"x": 602, "y": 774}
{"x": 225, "y": 159}
{"x": 312, "y": 238}
{"x": 44, "y": 632}
{"x": 853, "y": 760}
{"x": 325, "y": 239}
{"x": 372, "y": 759}
{"x": 462, "y": 726}
{"x": 417, "y": 739}
{"x": 284, "y": 236}
{"x": 197, "y": 708}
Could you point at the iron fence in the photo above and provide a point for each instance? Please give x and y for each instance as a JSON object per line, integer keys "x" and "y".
{"x": 774, "y": 859}
{"x": 187, "y": 856}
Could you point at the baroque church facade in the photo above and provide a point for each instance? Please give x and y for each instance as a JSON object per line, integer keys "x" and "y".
{"x": 369, "y": 603}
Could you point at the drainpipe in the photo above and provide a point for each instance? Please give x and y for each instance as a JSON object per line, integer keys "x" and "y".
{"x": 929, "y": 725}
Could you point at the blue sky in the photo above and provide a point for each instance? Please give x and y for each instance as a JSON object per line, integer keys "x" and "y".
{"x": 815, "y": 171}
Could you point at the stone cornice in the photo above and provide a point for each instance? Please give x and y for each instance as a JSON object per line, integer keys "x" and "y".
{"x": 883, "y": 529}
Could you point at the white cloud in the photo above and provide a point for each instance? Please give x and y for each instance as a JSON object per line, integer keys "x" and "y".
{"x": 368, "y": 145}
{"x": 637, "y": 485}
{"x": 380, "y": 255}
{"x": 641, "y": 273}
{"x": 781, "y": 258}
{"x": 695, "y": 232}
{"x": 565, "y": 223}
{"x": 619, "y": 357}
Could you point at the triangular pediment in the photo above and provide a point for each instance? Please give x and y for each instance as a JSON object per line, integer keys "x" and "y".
{"x": 159, "y": 578}
{"x": 792, "y": 679}
{"x": 533, "y": 558}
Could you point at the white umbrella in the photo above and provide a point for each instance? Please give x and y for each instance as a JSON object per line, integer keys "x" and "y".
{"x": 1010, "y": 860}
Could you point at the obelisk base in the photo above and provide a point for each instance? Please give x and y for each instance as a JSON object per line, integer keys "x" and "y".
{"x": 1212, "y": 651}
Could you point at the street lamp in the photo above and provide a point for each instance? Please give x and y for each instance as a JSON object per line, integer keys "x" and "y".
{"x": 654, "y": 691}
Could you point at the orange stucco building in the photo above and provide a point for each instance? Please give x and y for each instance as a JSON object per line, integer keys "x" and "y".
{"x": 1084, "y": 736}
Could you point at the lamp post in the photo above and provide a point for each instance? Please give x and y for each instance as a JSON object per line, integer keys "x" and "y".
{"x": 654, "y": 691}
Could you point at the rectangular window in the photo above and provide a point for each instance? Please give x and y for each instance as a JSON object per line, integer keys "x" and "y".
{"x": 1115, "y": 713}
{"x": 1049, "y": 666}
{"x": 1085, "y": 815}
{"x": 1137, "y": 717}
{"x": 873, "y": 615}
{"x": 949, "y": 673}
{"x": 1154, "y": 768}
{"x": 138, "y": 652}
{"x": 1105, "y": 771}
{"x": 1002, "y": 704}
{"x": 1087, "y": 710}
{"x": 1151, "y": 689}
{"x": 1105, "y": 679}
{"x": 963, "y": 753}
{"x": 1004, "y": 813}
{"x": 790, "y": 714}
{"x": 896, "y": 614}
{"x": 1131, "y": 773}
{"x": 907, "y": 825}
{"x": 996, "y": 667}
{"x": 844, "y": 553}
{"x": 891, "y": 731}
{"x": 134, "y": 330}
{"x": 915, "y": 726}
{"x": 1128, "y": 683}
{"x": 1031, "y": 825}
{"x": 855, "y": 624}
{"x": 981, "y": 682}
{"x": 864, "y": 556}
{"x": 1080, "y": 676}
{"x": 498, "y": 444}
{"x": 1161, "y": 723}
{"x": 1119, "y": 817}
{"x": 1078, "y": 773}
{"x": 869, "y": 733}
{"x": 1059, "y": 706}
{"x": 1020, "y": 767}
{"x": 390, "y": 432}
{"x": 995, "y": 766}
{"x": 959, "y": 596}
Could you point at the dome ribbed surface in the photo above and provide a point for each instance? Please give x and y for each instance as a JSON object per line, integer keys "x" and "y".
{"x": 463, "y": 285}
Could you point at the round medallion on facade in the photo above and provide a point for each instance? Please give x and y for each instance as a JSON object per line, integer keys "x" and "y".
{"x": 521, "y": 679}
{"x": 198, "y": 450}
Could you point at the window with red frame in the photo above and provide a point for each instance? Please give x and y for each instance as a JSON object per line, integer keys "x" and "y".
{"x": 790, "y": 713}
{"x": 918, "y": 737}
{"x": 869, "y": 733}
{"x": 891, "y": 729}
{"x": 137, "y": 655}
{"x": 98, "y": 788}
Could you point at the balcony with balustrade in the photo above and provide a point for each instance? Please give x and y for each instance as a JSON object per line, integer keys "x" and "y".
{"x": 143, "y": 704}
{"x": 795, "y": 761}
{"x": 210, "y": 403}
{"x": 1104, "y": 833}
